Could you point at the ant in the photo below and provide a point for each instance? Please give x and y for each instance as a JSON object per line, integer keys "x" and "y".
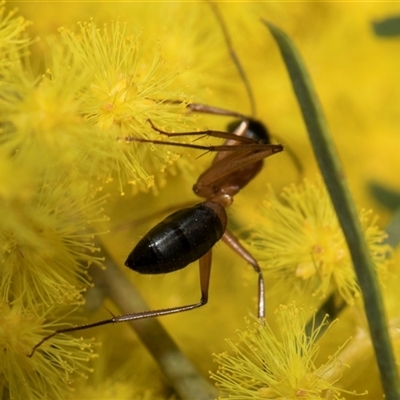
{"x": 190, "y": 234}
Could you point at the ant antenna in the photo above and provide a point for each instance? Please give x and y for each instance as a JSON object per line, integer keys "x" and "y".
{"x": 243, "y": 75}
{"x": 234, "y": 56}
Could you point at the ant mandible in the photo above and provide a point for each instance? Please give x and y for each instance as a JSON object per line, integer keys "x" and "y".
{"x": 190, "y": 234}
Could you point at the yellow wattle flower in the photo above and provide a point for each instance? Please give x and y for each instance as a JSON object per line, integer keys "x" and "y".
{"x": 282, "y": 365}
{"x": 32, "y": 378}
{"x": 299, "y": 242}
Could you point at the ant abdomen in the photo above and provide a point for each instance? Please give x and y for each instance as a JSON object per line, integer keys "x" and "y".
{"x": 180, "y": 239}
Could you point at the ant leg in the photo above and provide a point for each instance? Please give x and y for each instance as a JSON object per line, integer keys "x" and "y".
{"x": 234, "y": 244}
{"x": 271, "y": 148}
{"x": 206, "y": 109}
{"x": 208, "y": 132}
{"x": 205, "y": 272}
{"x": 248, "y": 144}
{"x": 205, "y": 269}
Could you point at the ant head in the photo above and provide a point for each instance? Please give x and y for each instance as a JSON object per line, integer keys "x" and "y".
{"x": 256, "y": 130}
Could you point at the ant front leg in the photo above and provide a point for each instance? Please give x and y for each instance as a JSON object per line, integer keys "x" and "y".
{"x": 208, "y": 132}
{"x": 245, "y": 143}
{"x": 206, "y": 109}
{"x": 235, "y": 245}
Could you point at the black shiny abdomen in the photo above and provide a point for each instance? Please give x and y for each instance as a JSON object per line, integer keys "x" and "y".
{"x": 181, "y": 238}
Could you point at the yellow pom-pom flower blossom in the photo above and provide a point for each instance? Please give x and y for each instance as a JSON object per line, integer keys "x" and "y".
{"x": 265, "y": 364}
{"x": 300, "y": 243}
{"x": 74, "y": 96}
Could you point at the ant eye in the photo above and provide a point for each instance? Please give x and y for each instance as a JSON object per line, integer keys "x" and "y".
{"x": 258, "y": 131}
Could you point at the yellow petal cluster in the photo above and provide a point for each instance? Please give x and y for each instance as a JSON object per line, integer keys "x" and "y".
{"x": 299, "y": 242}
{"x": 265, "y": 364}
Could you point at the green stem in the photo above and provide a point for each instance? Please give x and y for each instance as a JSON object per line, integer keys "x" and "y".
{"x": 178, "y": 369}
{"x": 333, "y": 174}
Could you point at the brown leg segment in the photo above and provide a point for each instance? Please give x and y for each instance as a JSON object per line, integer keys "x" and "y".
{"x": 234, "y": 244}
{"x": 205, "y": 269}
